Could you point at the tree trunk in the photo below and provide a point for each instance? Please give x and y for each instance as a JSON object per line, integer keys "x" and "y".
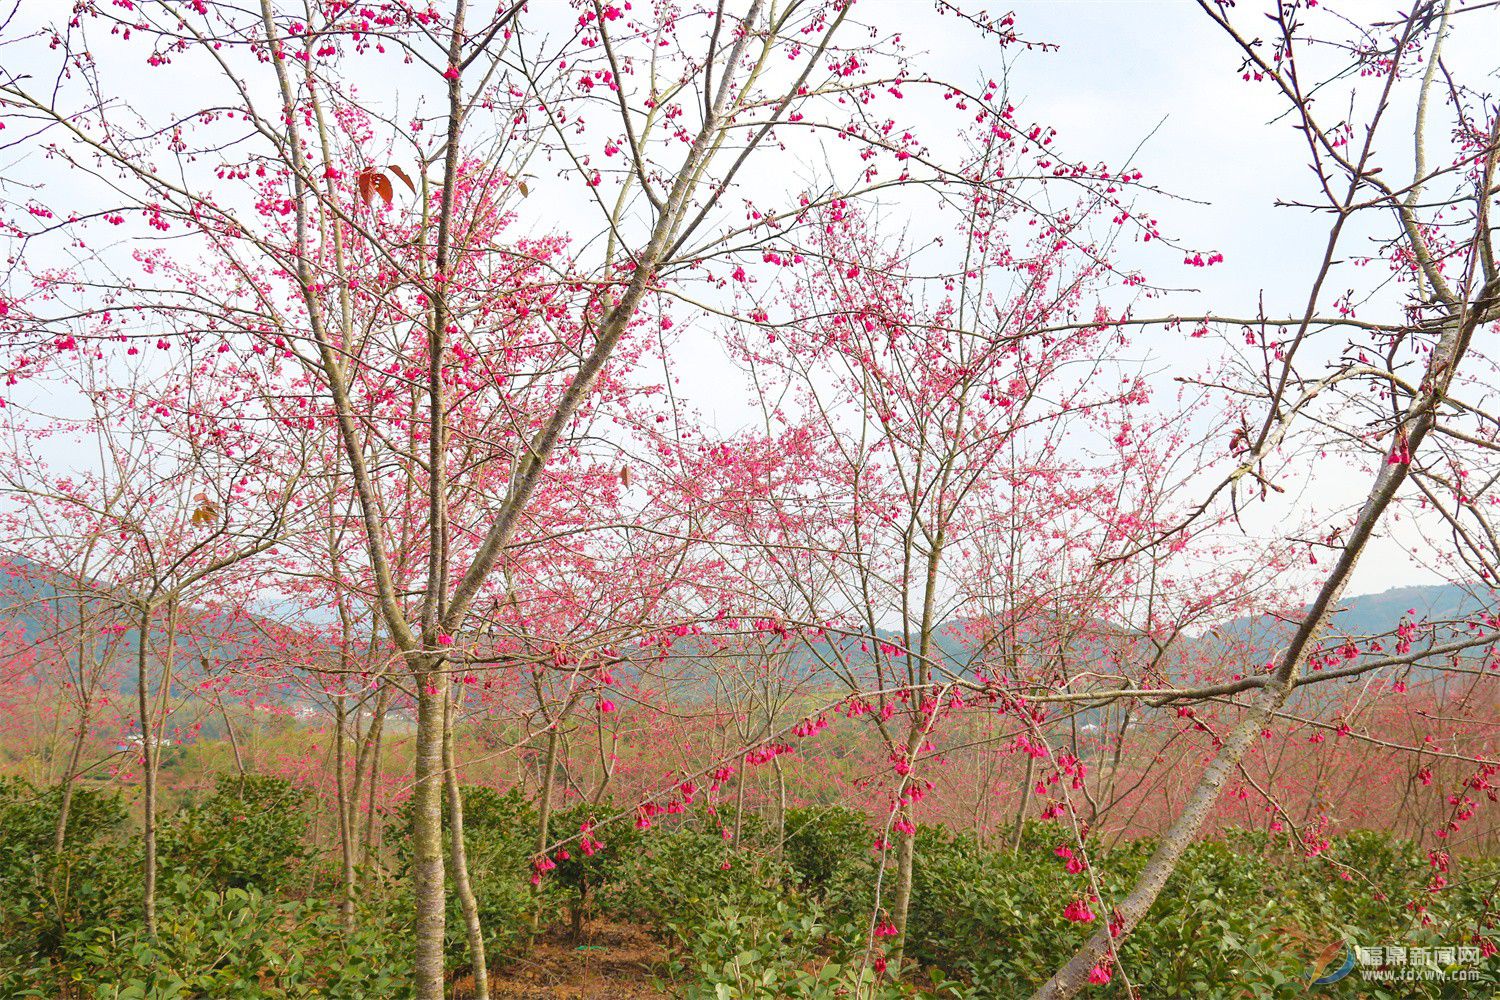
{"x": 427, "y": 837}
{"x": 739, "y": 808}
{"x": 75, "y": 753}
{"x": 234, "y": 742}
{"x": 148, "y": 779}
{"x": 1020, "y": 827}
{"x": 371, "y": 751}
{"x": 544, "y": 809}
{"x": 780, "y": 807}
{"x": 576, "y": 911}
{"x": 906, "y": 855}
{"x": 346, "y": 832}
{"x": 65, "y": 803}
{"x": 460, "y": 860}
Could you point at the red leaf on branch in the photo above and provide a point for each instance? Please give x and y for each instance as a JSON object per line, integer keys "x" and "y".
{"x": 373, "y": 182}
{"x": 402, "y": 177}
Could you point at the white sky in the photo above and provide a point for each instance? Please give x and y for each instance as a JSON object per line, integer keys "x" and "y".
{"x": 1124, "y": 69}
{"x": 1128, "y": 67}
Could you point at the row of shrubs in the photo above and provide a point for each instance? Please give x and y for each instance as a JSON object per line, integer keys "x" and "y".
{"x": 247, "y": 909}
{"x": 242, "y": 907}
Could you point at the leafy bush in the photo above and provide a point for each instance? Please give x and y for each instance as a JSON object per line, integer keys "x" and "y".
{"x": 43, "y": 893}
{"x": 767, "y": 917}
{"x": 738, "y": 922}
{"x": 226, "y": 924}
{"x": 591, "y": 866}
{"x": 680, "y": 878}
{"x": 249, "y": 834}
{"x": 829, "y": 849}
{"x": 1240, "y": 917}
{"x": 238, "y": 942}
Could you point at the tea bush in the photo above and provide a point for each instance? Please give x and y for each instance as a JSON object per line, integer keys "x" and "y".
{"x": 250, "y": 833}
{"x": 588, "y": 870}
{"x": 247, "y": 907}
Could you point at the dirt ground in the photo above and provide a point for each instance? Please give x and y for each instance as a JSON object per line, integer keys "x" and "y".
{"x": 616, "y": 962}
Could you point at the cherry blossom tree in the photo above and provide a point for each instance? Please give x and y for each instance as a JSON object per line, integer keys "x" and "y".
{"x": 1417, "y": 366}
{"x": 358, "y": 248}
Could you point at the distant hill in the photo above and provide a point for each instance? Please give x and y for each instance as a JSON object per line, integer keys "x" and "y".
{"x": 1372, "y": 613}
{"x": 26, "y": 586}
{"x": 35, "y": 602}
{"x": 1375, "y": 614}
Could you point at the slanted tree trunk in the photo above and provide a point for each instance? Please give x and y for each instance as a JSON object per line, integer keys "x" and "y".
{"x": 1418, "y": 417}
{"x": 370, "y": 754}
{"x": 65, "y": 805}
{"x": 739, "y": 807}
{"x": 75, "y": 754}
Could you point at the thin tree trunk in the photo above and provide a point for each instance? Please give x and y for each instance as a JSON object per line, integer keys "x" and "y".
{"x": 65, "y": 805}
{"x": 459, "y": 858}
{"x": 906, "y": 856}
{"x": 1020, "y": 827}
{"x": 544, "y": 808}
{"x": 148, "y": 840}
{"x": 85, "y": 688}
{"x": 234, "y": 742}
{"x": 151, "y": 743}
{"x": 370, "y": 751}
{"x": 427, "y": 836}
{"x": 49, "y": 750}
{"x": 780, "y": 807}
{"x": 346, "y": 833}
{"x": 739, "y": 808}
{"x": 906, "y": 850}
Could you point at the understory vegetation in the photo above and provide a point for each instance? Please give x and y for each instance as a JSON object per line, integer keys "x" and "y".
{"x": 246, "y": 909}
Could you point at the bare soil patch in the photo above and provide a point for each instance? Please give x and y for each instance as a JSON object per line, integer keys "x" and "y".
{"x": 614, "y": 962}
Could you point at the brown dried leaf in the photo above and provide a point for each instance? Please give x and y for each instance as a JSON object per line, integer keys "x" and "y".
{"x": 206, "y": 513}
{"x": 365, "y": 183}
{"x": 383, "y": 188}
{"x": 402, "y": 177}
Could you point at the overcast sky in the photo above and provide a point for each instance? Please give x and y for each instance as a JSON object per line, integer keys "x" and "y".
{"x": 1158, "y": 72}
{"x": 1148, "y": 82}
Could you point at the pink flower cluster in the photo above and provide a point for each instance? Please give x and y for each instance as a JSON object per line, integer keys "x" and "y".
{"x": 1079, "y": 912}
{"x": 810, "y": 727}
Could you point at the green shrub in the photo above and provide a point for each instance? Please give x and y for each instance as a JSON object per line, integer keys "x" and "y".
{"x": 770, "y": 916}
{"x": 250, "y": 833}
{"x": 44, "y": 893}
{"x": 828, "y": 847}
{"x": 238, "y": 942}
{"x": 590, "y": 867}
